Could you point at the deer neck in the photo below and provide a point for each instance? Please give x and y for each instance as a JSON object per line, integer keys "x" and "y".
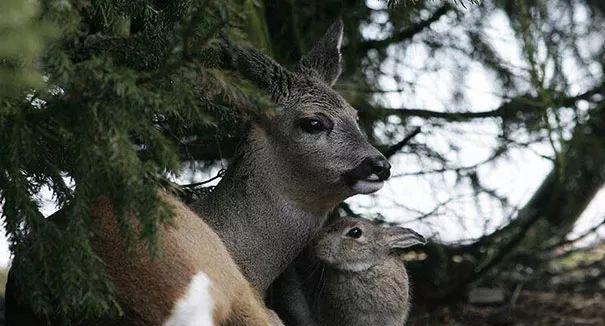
{"x": 264, "y": 223}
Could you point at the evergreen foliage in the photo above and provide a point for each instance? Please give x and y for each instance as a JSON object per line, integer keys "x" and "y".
{"x": 22, "y": 36}
{"x": 123, "y": 83}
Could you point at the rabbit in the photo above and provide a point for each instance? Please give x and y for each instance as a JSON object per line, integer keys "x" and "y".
{"x": 363, "y": 280}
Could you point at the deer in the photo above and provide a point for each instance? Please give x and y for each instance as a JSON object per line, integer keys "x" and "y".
{"x": 295, "y": 169}
{"x": 291, "y": 171}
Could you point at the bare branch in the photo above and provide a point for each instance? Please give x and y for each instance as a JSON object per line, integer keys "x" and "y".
{"x": 347, "y": 209}
{"x": 567, "y": 242}
{"x": 509, "y": 109}
{"x": 406, "y": 33}
{"x": 390, "y": 151}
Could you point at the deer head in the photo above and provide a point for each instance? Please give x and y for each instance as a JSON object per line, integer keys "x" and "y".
{"x": 316, "y": 145}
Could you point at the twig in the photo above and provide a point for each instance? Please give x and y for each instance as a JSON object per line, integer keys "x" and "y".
{"x": 576, "y": 239}
{"x": 220, "y": 174}
{"x": 509, "y": 109}
{"x": 397, "y": 147}
{"x": 515, "y": 296}
{"x": 406, "y": 33}
{"x": 347, "y": 209}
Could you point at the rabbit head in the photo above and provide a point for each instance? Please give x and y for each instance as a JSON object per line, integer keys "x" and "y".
{"x": 356, "y": 244}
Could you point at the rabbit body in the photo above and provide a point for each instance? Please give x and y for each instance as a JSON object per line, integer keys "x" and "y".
{"x": 361, "y": 280}
{"x": 376, "y": 296}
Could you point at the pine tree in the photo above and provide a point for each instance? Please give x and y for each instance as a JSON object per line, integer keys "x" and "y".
{"x": 96, "y": 98}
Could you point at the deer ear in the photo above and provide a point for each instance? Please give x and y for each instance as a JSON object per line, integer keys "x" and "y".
{"x": 400, "y": 238}
{"x": 324, "y": 59}
{"x": 258, "y": 68}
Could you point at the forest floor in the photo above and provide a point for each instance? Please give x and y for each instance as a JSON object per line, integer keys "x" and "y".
{"x": 569, "y": 291}
{"x": 531, "y": 308}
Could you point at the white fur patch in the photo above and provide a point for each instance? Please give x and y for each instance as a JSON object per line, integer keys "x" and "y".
{"x": 195, "y": 308}
{"x": 367, "y": 186}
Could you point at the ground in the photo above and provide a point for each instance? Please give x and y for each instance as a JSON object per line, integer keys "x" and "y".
{"x": 532, "y": 308}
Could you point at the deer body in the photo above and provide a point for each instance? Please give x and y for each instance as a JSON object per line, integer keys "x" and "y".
{"x": 263, "y": 229}
{"x": 193, "y": 281}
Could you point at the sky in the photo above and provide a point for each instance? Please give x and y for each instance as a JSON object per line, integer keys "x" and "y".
{"x": 405, "y": 197}
{"x": 516, "y": 177}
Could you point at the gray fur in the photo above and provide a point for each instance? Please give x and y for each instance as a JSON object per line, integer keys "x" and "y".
{"x": 324, "y": 59}
{"x": 284, "y": 181}
{"x": 360, "y": 282}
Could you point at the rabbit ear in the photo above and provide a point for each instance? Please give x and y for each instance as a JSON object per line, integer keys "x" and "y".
{"x": 400, "y": 238}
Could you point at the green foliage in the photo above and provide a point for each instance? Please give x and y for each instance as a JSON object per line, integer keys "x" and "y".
{"x": 125, "y": 82}
{"x": 22, "y": 38}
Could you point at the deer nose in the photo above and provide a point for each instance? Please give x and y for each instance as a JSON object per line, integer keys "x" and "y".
{"x": 380, "y": 167}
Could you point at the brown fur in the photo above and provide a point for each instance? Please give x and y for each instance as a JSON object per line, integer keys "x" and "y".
{"x": 148, "y": 289}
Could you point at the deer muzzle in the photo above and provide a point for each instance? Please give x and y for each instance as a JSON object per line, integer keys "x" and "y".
{"x": 369, "y": 175}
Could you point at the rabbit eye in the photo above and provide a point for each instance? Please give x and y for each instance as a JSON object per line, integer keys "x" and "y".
{"x": 354, "y": 233}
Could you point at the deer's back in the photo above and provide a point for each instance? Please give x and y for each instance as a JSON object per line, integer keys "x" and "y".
{"x": 149, "y": 288}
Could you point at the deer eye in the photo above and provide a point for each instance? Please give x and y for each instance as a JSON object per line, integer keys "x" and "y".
{"x": 312, "y": 125}
{"x": 354, "y": 233}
